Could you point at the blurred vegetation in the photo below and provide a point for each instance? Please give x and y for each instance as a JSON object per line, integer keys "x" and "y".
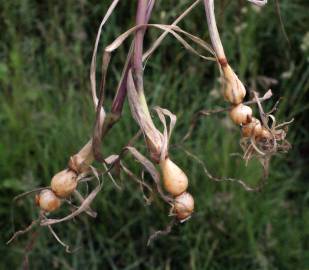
{"x": 46, "y": 115}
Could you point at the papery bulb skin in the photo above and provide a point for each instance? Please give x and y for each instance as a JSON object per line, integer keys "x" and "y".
{"x": 154, "y": 150}
{"x": 175, "y": 180}
{"x": 234, "y": 90}
{"x": 64, "y": 183}
{"x": 47, "y": 200}
{"x": 78, "y": 164}
{"x": 241, "y": 114}
{"x": 184, "y": 205}
{"x": 252, "y": 129}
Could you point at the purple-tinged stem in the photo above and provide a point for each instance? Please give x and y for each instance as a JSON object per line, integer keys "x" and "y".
{"x": 122, "y": 87}
{"x": 139, "y": 37}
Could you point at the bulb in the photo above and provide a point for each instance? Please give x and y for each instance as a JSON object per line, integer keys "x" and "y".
{"x": 184, "y": 205}
{"x": 265, "y": 134}
{"x": 47, "y": 200}
{"x": 241, "y": 114}
{"x": 174, "y": 179}
{"x": 252, "y": 129}
{"x": 64, "y": 183}
{"x": 234, "y": 89}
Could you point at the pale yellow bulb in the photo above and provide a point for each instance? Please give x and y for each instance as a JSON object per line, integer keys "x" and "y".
{"x": 234, "y": 90}
{"x": 253, "y": 129}
{"x": 184, "y": 205}
{"x": 241, "y": 114}
{"x": 64, "y": 183}
{"x": 47, "y": 200}
{"x": 265, "y": 134}
{"x": 175, "y": 180}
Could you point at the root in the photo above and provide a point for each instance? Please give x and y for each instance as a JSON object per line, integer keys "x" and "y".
{"x": 21, "y": 232}
{"x": 164, "y": 232}
{"x": 202, "y": 113}
{"x": 142, "y": 184}
{"x": 216, "y": 179}
{"x": 66, "y": 246}
{"x": 28, "y": 249}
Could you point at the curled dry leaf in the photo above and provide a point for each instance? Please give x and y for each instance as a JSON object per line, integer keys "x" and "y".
{"x": 81, "y": 199}
{"x": 167, "y": 131}
{"x": 142, "y": 117}
{"x": 173, "y": 30}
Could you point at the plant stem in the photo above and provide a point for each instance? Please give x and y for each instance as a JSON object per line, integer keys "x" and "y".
{"x": 139, "y": 38}
{"x": 213, "y": 31}
{"x": 137, "y": 61}
{"x": 122, "y": 86}
{"x": 86, "y": 154}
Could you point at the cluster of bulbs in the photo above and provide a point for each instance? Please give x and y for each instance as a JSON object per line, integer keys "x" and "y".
{"x": 241, "y": 114}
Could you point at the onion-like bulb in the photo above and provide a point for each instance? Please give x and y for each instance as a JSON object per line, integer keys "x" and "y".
{"x": 184, "y": 205}
{"x": 64, "y": 183}
{"x": 253, "y": 129}
{"x": 241, "y": 114}
{"x": 265, "y": 134}
{"x": 234, "y": 90}
{"x": 175, "y": 180}
{"x": 47, "y": 200}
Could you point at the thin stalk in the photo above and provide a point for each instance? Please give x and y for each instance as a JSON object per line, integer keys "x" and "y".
{"x": 137, "y": 61}
{"x": 165, "y": 33}
{"x": 143, "y": 12}
{"x": 122, "y": 86}
{"x": 213, "y": 31}
{"x": 139, "y": 38}
{"x": 86, "y": 155}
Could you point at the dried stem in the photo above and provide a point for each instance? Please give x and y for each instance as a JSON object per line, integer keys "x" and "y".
{"x": 143, "y": 15}
{"x": 21, "y": 232}
{"x": 213, "y": 30}
{"x": 66, "y": 246}
{"x": 122, "y": 86}
{"x": 105, "y": 123}
{"x": 139, "y": 37}
{"x": 85, "y": 154}
{"x": 94, "y": 55}
{"x": 165, "y": 33}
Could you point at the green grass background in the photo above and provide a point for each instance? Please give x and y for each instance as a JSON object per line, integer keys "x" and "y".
{"x": 46, "y": 115}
